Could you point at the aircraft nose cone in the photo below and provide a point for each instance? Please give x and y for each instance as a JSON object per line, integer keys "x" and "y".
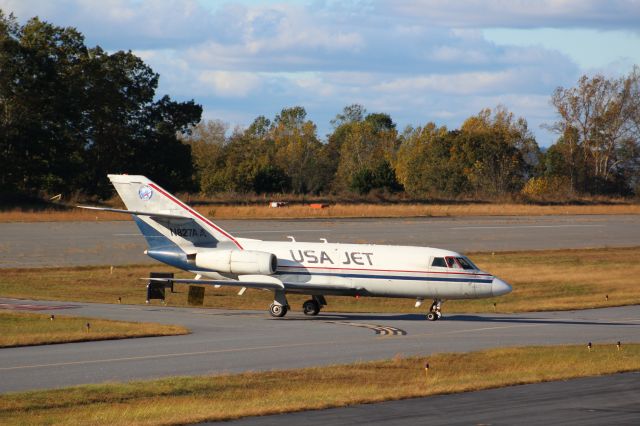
{"x": 499, "y": 287}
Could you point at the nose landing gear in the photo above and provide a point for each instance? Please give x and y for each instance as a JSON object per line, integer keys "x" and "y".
{"x": 277, "y": 310}
{"x": 434, "y": 311}
{"x": 280, "y": 306}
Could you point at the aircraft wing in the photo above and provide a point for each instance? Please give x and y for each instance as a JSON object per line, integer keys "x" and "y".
{"x": 139, "y": 213}
{"x": 249, "y": 281}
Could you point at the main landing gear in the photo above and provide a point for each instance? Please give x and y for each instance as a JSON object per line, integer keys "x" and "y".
{"x": 434, "y": 311}
{"x": 280, "y": 306}
{"x": 313, "y": 305}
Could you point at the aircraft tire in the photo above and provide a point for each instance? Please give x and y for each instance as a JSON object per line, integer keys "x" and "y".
{"x": 311, "y": 307}
{"x": 431, "y": 316}
{"x": 277, "y": 311}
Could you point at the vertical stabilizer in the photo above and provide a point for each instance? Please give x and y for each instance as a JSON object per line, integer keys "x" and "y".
{"x": 175, "y": 221}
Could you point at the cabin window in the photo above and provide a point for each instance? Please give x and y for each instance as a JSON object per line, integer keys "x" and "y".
{"x": 465, "y": 263}
{"x": 439, "y": 261}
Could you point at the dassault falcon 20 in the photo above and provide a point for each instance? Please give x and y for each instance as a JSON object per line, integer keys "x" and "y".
{"x": 181, "y": 237}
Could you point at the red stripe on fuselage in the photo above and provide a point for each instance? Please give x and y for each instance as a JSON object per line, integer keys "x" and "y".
{"x": 193, "y": 212}
{"x": 384, "y": 270}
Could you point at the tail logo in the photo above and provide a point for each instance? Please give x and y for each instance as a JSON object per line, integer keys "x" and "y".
{"x": 145, "y": 193}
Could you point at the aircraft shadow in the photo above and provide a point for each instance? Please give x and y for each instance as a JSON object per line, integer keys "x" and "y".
{"x": 457, "y": 317}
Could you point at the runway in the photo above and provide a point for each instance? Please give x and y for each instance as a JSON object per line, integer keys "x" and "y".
{"x": 26, "y": 245}
{"x": 235, "y": 341}
{"x": 571, "y": 402}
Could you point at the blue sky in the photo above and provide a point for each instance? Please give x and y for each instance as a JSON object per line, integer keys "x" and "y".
{"x": 418, "y": 61}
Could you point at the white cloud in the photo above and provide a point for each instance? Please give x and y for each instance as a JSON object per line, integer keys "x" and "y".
{"x": 468, "y": 83}
{"x": 521, "y": 13}
{"x": 417, "y": 60}
{"x": 230, "y": 83}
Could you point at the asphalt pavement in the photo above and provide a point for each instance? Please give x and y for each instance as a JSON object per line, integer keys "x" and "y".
{"x": 235, "y": 341}
{"x": 596, "y": 401}
{"x": 45, "y": 244}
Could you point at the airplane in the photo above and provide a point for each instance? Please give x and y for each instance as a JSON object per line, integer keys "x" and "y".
{"x": 179, "y": 236}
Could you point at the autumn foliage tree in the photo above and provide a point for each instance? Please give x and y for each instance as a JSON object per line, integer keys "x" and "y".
{"x": 600, "y": 135}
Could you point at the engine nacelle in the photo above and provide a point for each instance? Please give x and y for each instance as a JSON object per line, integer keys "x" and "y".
{"x": 239, "y": 262}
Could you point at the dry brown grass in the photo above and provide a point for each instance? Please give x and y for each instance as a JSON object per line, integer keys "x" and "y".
{"x": 183, "y": 400}
{"x": 542, "y": 280}
{"x": 22, "y": 329}
{"x": 338, "y": 211}
{"x": 414, "y": 210}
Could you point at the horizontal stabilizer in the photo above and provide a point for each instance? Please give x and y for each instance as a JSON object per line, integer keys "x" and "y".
{"x": 138, "y": 213}
{"x": 258, "y": 281}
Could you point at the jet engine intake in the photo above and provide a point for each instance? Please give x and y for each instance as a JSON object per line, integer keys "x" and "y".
{"x": 239, "y": 262}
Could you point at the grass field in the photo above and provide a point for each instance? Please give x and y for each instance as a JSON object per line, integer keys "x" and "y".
{"x": 542, "y": 280}
{"x": 22, "y": 328}
{"x": 339, "y": 210}
{"x": 196, "y": 399}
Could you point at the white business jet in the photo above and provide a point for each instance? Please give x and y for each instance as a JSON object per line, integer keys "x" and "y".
{"x": 181, "y": 237}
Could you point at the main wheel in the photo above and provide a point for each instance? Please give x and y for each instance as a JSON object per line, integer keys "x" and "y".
{"x": 431, "y": 316}
{"x": 311, "y": 307}
{"x": 277, "y": 311}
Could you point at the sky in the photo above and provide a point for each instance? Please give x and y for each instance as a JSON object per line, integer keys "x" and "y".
{"x": 416, "y": 60}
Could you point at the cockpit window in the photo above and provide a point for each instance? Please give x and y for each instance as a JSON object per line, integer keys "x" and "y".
{"x": 439, "y": 261}
{"x": 451, "y": 262}
{"x": 465, "y": 263}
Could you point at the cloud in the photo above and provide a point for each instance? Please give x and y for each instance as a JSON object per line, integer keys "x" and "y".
{"x": 230, "y": 84}
{"x": 122, "y": 24}
{"x": 611, "y": 14}
{"x": 418, "y": 60}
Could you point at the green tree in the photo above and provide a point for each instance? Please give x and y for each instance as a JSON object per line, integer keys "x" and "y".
{"x": 72, "y": 114}
{"x": 297, "y": 149}
{"x": 501, "y": 153}
{"x": 247, "y": 153}
{"x": 208, "y": 149}
{"x": 364, "y": 145}
{"x": 271, "y": 179}
{"x": 430, "y": 162}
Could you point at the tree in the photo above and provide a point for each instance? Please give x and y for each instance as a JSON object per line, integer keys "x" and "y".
{"x": 271, "y": 179}
{"x": 501, "y": 153}
{"x": 297, "y": 149}
{"x": 72, "y": 114}
{"x": 246, "y": 154}
{"x": 364, "y": 145}
{"x": 431, "y": 163}
{"x": 350, "y": 114}
{"x": 208, "y": 142}
{"x": 599, "y": 119}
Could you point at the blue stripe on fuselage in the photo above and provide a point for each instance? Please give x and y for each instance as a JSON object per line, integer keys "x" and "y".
{"x": 390, "y": 277}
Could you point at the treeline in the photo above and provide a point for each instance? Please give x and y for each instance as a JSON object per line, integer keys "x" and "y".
{"x": 70, "y": 114}
{"x": 492, "y": 154}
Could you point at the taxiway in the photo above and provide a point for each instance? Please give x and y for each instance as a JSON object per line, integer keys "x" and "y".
{"x": 235, "y": 341}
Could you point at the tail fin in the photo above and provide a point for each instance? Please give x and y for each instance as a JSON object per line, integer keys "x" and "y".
{"x": 161, "y": 216}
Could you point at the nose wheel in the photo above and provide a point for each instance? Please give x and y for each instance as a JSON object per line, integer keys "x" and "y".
{"x": 277, "y": 311}
{"x": 434, "y": 311}
{"x": 280, "y": 306}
